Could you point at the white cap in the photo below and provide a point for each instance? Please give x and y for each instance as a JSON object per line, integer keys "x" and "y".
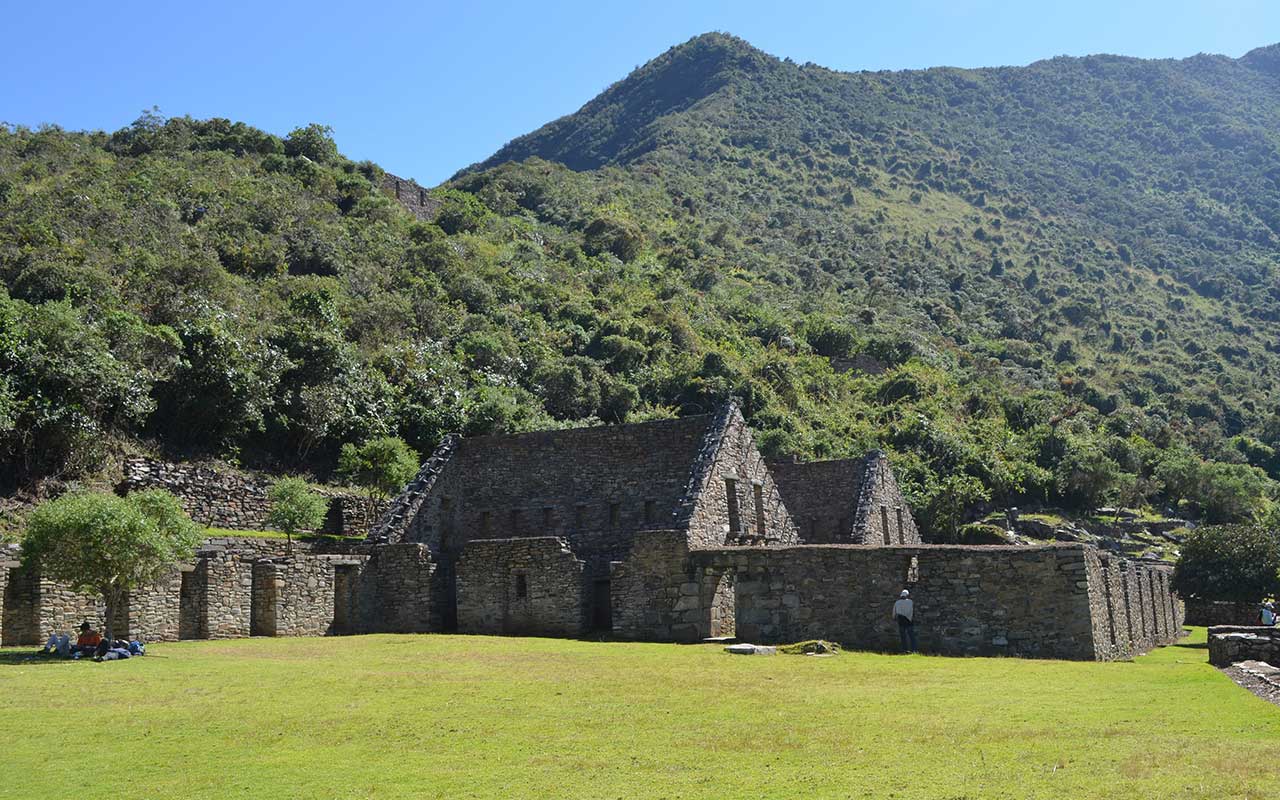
{"x": 905, "y": 593}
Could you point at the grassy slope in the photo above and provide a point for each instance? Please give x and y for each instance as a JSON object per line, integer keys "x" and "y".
{"x": 455, "y": 716}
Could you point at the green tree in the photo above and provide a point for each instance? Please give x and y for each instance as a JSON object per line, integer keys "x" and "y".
{"x": 1236, "y": 563}
{"x": 295, "y": 506}
{"x": 383, "y": 465}
{"x": 105, "y": 545}
{"x": 315, "y": 141}
{"x": 947, "y": 505}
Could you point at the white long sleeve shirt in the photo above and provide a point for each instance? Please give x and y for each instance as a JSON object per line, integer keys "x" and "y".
{"x": 903, "y": 608}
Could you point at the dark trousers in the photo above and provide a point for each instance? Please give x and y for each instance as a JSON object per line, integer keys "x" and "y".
{"x": 907, "y": 633}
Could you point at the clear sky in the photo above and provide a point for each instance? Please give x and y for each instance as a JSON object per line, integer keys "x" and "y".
{"x": 427, "y": 88}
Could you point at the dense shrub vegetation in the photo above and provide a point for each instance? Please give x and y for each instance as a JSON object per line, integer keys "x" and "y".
{"x": 1046, "y": 284}
{"x": 1236, "y": 563}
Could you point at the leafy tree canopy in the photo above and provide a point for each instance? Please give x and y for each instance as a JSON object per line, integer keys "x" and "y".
{"x": 295, "y": 507}
{"x": 383, "y": 465}
{"x": 105, "y": 545}
{"x": 1237, "y": 563}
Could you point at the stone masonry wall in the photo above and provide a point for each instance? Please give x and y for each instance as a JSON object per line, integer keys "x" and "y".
{"x": 221, "y": 498}
{"x": 1209, "y": 612}
{"x": 761, "y": 516}
{"x": 822, "y": 497}
{"x": 1048, "y": 602}
{"x": 533, "y": 586}
{"x": 591, "y": 486}
{"x": 398, "y": 591}
{"x": 412, "y": 196}
{"x": 1231, "y": 644}
{"x": 241, "y": 586}
{"x": 883, "y": 516}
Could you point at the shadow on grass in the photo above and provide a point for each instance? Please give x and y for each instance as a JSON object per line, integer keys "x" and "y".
{"x": 28, "y": 658}
{"x": 1193, "y": 645}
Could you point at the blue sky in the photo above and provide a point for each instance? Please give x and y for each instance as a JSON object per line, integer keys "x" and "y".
{"x": 427, "y": 88}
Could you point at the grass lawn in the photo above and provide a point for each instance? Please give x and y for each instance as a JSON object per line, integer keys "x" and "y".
{"x": 465, "y": 716}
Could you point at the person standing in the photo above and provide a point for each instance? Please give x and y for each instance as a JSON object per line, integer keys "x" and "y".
{"x": 904, "y": 613}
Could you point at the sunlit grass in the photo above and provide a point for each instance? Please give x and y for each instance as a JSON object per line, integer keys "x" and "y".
{"x": 463, "y": 716}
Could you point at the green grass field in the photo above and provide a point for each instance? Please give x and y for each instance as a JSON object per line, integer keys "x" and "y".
{"x": 464, "y": 716}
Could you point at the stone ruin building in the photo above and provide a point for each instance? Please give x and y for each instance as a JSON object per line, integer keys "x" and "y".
{"x": 671, "y": 530}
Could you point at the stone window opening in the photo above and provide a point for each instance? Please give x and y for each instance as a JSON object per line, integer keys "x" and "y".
{"x": 842, "y": 527}
{"x": 615, "y": 514}
{"x": 648, "y": 511}
{"x": 913, "y": 570}
{"x": 579, "y": 516}
{"x": 884, "y": 525}
{"x": 522, "y": 587}
{"x": 897, "y": 510}
{"x": 731, "y": 494}
{"x": 485, "y": 516}
{"x": 548, "y": 518}
{"x": 758, "y": 493}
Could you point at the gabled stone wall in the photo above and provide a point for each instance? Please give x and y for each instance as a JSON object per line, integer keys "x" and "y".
{"x": 883, "y": 516}
{"x": 756, "y": 513}
{"x": 822, "y": 497}
{"x": 410, "y": 194}
{"x": 592, "y": 487}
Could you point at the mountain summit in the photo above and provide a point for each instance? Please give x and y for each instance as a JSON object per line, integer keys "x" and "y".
{"x": 1055, "y": 283}
{"x": 626, "y": 120}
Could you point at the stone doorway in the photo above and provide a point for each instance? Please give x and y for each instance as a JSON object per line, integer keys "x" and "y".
{"x": 724, "y": 611}
{"x": 263, "y": 601}
{"x": 343, "y": 597}
{"x": 21, "y": 609}
{"x": 601, "y": 606}
{"x": 189, "y": 626}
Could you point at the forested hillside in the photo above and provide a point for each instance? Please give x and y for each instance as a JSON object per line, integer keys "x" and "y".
{"x": 1055, "y": 283}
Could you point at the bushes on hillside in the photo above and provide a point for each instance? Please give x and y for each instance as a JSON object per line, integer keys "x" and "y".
{"x": 1236, "y": 563}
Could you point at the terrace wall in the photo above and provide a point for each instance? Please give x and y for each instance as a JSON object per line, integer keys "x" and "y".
{"x": 221, "y": 498}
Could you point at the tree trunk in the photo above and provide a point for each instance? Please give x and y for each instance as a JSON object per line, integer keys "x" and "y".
{"x": 289, "y": 536}
{"x": 112, "y": 598}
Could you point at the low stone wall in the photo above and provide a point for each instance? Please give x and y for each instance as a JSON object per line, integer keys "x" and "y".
{"x": 1218, "y": 612}
{"x": 1231, "y": 644}
{"x": 238, "y": 587}
{"x": 532, "y": 586}
{"x": 1048, "y": 602}
{"x": 221, "y": 498}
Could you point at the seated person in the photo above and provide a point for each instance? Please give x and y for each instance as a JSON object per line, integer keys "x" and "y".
{"x": 88, "y": 640}
{"x": 59, "y": 644}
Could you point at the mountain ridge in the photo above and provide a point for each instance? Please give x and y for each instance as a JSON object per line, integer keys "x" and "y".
{"x": 1045, "y": 284}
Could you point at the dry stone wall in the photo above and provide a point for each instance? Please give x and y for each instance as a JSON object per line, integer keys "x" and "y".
{"x": 592, "y": 487}
{"x": 1231, "y": 644}
{"x": 221, "y": 498}
{"x": 736, "y": 498}
{"x": 533, "y": 586}
{"x": 1048, "y": 602}
{"x": 414, "y": 197}
{"x": 238, "y": 587}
